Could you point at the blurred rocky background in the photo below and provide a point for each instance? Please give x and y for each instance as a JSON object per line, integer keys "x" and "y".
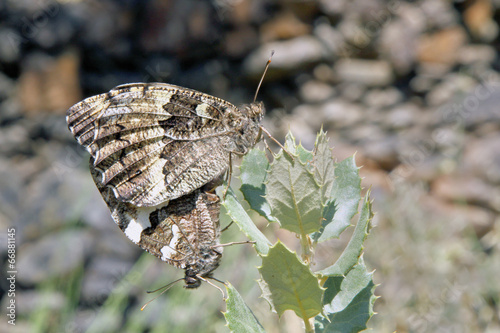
{"x": 411, "y": 87}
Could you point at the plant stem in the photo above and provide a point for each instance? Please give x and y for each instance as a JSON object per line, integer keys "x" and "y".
{"x": 309, "y": 328}
{"x": 305, "y": 244}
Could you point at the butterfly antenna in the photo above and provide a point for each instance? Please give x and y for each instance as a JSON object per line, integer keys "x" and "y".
{"x": 263, "y": 74}
{"x": 165, "y": 288}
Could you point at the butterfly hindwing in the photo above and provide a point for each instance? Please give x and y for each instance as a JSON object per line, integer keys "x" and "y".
{"x": 183, "y": 233}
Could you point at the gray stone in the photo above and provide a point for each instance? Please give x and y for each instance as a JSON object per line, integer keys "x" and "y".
{"x": 384, "y": 151}
{"x": 331, "y": 38}
{"x": 422, "y": 83}
{"x": 338, "y": 113}
{"x": 452, "y": 85}
{"x": 460, "y": 188}
{"x": 290, "y": 55}
{"x": 6, "y": 86}
{"x": 333, "y": 7}
{"x": 477, "y": 53}
{"x": 382, "y": 98}
{"x": 365, "y": 132}
{"x": 479, "y": 106}
{"x": 402, "y": 116}
{"x": 10, "y": 45}
{"x": 14, "y": 139}
{"x": 482, "y": 158}
{"x": 314, "y": 91}
{"x": 351, "y": 91}
{"x": 439, "y": 14}
{"x": 81, "y": 319}
{"x": 373, "y": 73}
{"x": 398, "y": 38}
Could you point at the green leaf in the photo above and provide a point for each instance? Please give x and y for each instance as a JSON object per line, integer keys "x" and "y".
{"x": 253, "y": 173}
{"x": 292, "y": 284}
{"x": 352, "y": 252}
{"x": 238, "y": 316}
{"x": 323, "y": 166}
{"x": 346, "y": 193}
{"x": 241, "y": 218}
{"x": 352, "y": 307}
{"x": 305, "y": 156}
{"x": 293, "y": 194}
{"x": 355, "y": 281}
{"x": 332, "y": 285}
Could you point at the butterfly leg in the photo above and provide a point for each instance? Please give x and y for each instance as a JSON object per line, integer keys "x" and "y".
{"x": 228, "y": 176}
{"x": 227, "y": 227}
{"x": 234, "y": 243}
{"x": 277, "y": 142}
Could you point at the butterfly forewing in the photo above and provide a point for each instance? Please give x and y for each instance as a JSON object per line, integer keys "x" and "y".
{"x": 134, "y": 131}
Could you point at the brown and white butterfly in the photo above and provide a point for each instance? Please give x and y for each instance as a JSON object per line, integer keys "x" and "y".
{"x": 155, "y": 149}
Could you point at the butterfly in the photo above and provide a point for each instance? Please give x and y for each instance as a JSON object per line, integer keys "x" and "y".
{"x": 156, "y": 151}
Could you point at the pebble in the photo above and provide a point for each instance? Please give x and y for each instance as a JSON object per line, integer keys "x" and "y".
{"x": 460, "y": 188}
{"x": 398, "y": 44}
{"x": 49, "y": 83}
{"x": 338, "y": 113}
{"x": 441, "y": 47}
{"x": 402, "y": 116}
{"x": 482, "y": 158}
{"x": 477, "y": 53}
{"x": 333, "y": 8}
{"x": 372, "y": 73}
{"x": 290, "y": 55}
{"x": 438, "y": 13}
{"x": 352, "y": 91}
{"x": 332, "y": 39}
{"x": 382, "y": 98}
{"x": 480, "y": 219}
{"x": 384, "y": 151}
{"x": 284, "y": 26}
{"x": 314, "y": 91}
{"x": 10, "y": 45}
{"x": 478, "y": 17}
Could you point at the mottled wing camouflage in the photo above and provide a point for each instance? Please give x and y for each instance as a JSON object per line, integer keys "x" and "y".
{"x": 153, "y": 143}
{"x": 155, "y": 150}
{"x": 184, "y": 233}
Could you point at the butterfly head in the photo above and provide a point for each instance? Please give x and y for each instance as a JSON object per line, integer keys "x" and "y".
{"x": 192, "y": 280}
{"x": 202, "y": 267}
{"x": 254, "y": 111}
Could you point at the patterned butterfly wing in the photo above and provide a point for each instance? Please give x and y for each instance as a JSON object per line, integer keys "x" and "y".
{"x": 152, "y": 143}
{"x": 184, "y": 232}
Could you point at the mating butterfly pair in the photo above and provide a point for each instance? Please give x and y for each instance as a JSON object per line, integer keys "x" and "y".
{"x": 156, "y": 152}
